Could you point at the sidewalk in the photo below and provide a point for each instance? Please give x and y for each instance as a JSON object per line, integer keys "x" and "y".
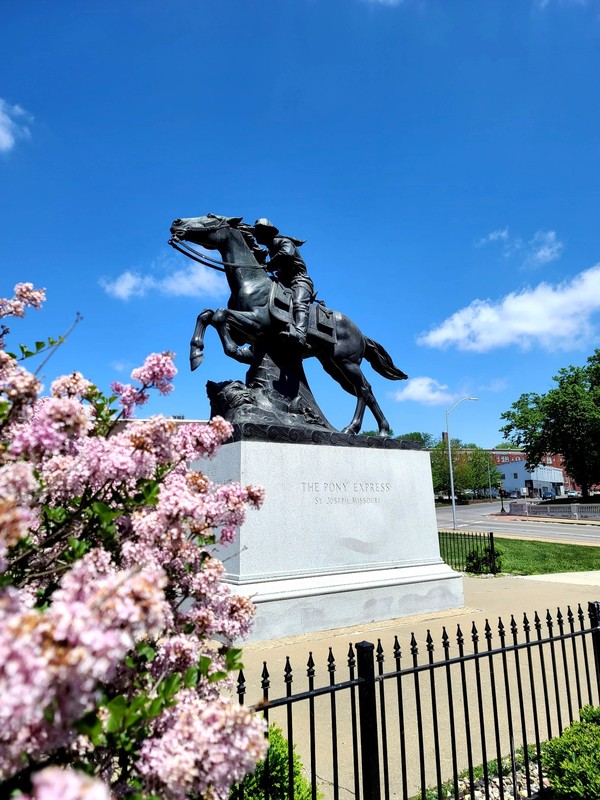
{"x": 532, "y": 518}
{"x": 486, "y": 598}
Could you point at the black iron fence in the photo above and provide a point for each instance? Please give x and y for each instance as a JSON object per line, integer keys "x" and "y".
{"x": 426, "y": 720}
{"x": 470, "y": 552}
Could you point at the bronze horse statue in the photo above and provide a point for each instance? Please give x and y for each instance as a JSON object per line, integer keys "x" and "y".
{"x": 248, "y": 318}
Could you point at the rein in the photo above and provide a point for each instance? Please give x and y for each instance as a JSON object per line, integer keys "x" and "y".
{"x": 189, "y": 251}
{"x": 183, "y": 247}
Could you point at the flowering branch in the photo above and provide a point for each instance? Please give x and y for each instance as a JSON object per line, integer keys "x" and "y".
{"x": 109, "y": 596}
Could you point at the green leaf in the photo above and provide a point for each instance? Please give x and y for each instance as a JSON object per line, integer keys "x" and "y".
{"x": 116, "y": 709}
{"x": 204, "y": 665}
{"x": 104, "y": 512}
{"x": 216, "y": 677}
{"x": 156, "y": 706}
{"x": 170, "y": 686}
{"x": 233, "y": 659}
{"x": 91, "y": 726}
{"x": 191, "y": 677}
{"x": 146, "y": 651}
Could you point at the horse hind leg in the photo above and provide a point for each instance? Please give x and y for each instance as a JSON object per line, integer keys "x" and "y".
{"x": 351, "y": 378}
{"x": 365, "y": 399}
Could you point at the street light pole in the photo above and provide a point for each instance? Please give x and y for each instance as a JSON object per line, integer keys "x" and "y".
{"x": 458, "y": 402}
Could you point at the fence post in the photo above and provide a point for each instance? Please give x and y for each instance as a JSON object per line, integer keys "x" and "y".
{"x": 369, "y": 735}
{"x": 594, "y": 614}
{"x": 493, "y": 553}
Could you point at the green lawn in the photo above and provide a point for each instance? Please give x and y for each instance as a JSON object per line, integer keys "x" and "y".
{"x": 521, "y": 557}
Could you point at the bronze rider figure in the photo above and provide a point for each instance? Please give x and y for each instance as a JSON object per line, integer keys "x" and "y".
{"x": 290, "y": 270}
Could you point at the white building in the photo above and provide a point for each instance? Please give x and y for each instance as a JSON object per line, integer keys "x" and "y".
{"x": 541, "y": 482}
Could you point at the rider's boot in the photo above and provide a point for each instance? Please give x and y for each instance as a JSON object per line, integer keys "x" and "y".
{"x": 296, "y": 334}
{"x": 300, "y": 326}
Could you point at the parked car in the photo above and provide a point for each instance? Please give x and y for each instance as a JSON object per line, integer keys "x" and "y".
{"x": 547, "y": 494}
{"x": 572, "y": 493}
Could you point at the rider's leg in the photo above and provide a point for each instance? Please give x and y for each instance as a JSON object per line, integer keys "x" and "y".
{"x": 300, "y": 310}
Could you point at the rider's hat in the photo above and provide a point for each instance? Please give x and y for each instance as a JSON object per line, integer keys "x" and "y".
{"x": 266, "y": 224}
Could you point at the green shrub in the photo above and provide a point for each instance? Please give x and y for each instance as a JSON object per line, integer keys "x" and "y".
{"x": 484, "y": 562}
{"x": 254, "y": 784}
{"x": 571, "y": 761}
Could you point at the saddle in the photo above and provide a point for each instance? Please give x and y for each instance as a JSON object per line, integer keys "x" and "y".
{"x": 321, "y": 320}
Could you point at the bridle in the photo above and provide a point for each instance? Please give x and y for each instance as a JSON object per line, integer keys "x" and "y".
{"x": 187, "y": 250}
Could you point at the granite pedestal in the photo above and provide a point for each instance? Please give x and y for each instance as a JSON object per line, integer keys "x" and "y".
{"x": 346, "y": 536}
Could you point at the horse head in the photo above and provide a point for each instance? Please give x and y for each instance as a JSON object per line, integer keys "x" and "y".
{"x": 207, "y": 231}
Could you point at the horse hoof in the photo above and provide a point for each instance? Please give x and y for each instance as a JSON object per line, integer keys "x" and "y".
{"x": 196, "y": 360}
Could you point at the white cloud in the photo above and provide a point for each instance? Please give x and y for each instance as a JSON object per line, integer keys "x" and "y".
{"x": 543, "y": 248}
{"x": 122, "y": 366}
{"x": 194, "y": 281}
{"x": 553, "y": 317}
{"x": 13, "y": 125}
{"x": 494, "y": 236}
{"x": 425, "y": 390}
{"x": 494, "y": 386}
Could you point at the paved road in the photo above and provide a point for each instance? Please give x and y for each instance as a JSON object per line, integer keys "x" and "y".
{"x": 479, "y": 517}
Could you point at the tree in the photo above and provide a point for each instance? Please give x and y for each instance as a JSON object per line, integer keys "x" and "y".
{"x": 440, "y": 468}
{"x": 482, "y": 470}
{"x": 565, "y": 421}
{"x": 426, "y": 440}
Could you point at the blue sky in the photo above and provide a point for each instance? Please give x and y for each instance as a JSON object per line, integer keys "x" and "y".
{"x": 440, "y": 157}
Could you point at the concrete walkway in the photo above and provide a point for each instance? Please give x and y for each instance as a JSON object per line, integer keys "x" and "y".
{"x": 486, "y": 598}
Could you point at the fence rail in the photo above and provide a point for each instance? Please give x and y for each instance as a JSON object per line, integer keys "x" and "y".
{"x": 566, "y": 511}
{"x": 426, "y": 719}
{"x": 469, "y": 552}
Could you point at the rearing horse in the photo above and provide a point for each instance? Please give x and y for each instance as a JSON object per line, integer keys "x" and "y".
{"x": 247, "y": 318}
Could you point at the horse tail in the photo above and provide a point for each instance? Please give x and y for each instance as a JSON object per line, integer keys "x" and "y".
{"x": 381, "y": 361}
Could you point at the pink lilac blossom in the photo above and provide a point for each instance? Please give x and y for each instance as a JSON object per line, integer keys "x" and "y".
{"x": 155, "y": 436}
{"x": 18, "y": 482}
{"x": 201, "y": 748}
{"x": 73, "y": 385}
{"x": 55, "y": 424}
{"x": 129, "y": 397}
{"x": 158, "y": 370}
{"x": 54, "y": 661}
{"x": 24, "y": 295}
{"x": 195, "y": 440}
{"x": 18, "y": 385}
{"x": 56, "y": 783}
{"x": 57, "y": 659}
{"x": 97, "y": 464}
{"x": 15, "y": 522}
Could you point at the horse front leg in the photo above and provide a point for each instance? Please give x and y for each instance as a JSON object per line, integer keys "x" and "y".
{"x": 224, "y": 320}
{"x": 197, "y": 342}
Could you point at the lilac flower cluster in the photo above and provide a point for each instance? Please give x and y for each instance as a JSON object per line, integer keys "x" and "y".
{"x": 54, "y": 783}
{"x": 59, "y": 658}
{"x": 105, "y": 536}
{"x": 157, "y": 371}
{"x": 24, "y": 296}
{"x": 200, "y": 748}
